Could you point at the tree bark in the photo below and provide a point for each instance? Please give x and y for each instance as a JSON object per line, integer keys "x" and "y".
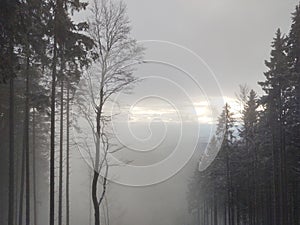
{"x": 95, "y": 199}
{"x": 11, "y": 189}
{"x": 275, "y": 185}
{"x": 34, "y": 170}
{"x": 215, "y": 209}
{"x": 229, "y": 211}
{"x": 26, "y": 136}
{"x": 68, "y": 158}
{"x": 60, "y": 189}
{"x": 22, "y": 188}
{"x": 52, "y": 138}
{"x": 52, "y": 128}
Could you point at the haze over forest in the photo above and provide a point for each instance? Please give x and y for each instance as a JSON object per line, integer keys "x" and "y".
{"x": 136, "y": 112}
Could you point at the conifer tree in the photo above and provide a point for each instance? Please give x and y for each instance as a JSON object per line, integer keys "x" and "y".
{"x": 275, "y": 87}
{"x": 293, "y": 121}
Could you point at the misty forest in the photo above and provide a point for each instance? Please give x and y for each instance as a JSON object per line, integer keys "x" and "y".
{"x": 95, "y": 130}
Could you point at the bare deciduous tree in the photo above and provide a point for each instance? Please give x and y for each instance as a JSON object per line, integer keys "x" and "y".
{"x": 116, "y": 53}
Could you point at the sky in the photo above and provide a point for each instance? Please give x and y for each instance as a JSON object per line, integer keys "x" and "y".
{"x": 232, "y": 36}
{"x": 200, "y": 51}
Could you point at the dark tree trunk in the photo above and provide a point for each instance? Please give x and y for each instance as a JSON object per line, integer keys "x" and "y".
{"x": 26, "y": 141}
{"x": 34, "y": 170}
{"x": 52, "y": 138}
{"x": 68, "y": 158}
{"x": 295, "y": 202}
{"x": 60, "y": 189}
{"x": 225, "y": 213}
{"x": 284, "y": 172}
{"x": 95, "y": 199}
{"x": 229, "y": 203}
{"x": 22, "y": 188}
{"x": 238, "y": 215}
{"x": 215, "y": 209}
{"x": 96, "y": 202}
{"x": 255, "y": 186}
{"x": 198, "y": 214}
{"x": 11, "y": 189}
{"x": 276, "y": 212}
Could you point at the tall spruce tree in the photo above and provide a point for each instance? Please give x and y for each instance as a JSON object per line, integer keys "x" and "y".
{"x": 293, "y": 121}
{"x": 248, "y": 133}
{"x": 275, "y": 87}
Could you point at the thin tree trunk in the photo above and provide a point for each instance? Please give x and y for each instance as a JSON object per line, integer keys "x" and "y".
{"x": 91, "y": 202}
{"x": 254, "y": 218}
{"x": 34, "y": 170}
{"x": 284, "y": 173}
{"x": 18, "y": 172}
{"x": 275, "y": 184}
{"x": 225, "y": 213}
{"x": 204, "y": 213}
{"x": 27, "y": 146}
{"x": 97, "y": 163}
{"x": 68, "y": 158}
{"x": 52, "y": 138}
{"x": 25, "y": 156}
{"x": 228, "y": 189}
{"x": 11, "y": 189}
{"x": 238, "y": 215}
{"x": 270, "y": 218}
{"x": 198, "y": 214}
{"x": 211, "y": 212}
{"x": 295, "y": 203}
{"x": 22, "y": 185}
{"x": 249, "y": 199}
{"x": 215, "y": 209}
{"x": 61, "y": 153}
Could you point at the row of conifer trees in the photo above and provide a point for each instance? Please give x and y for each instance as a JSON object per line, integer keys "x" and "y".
{"x": 255, "y": 177}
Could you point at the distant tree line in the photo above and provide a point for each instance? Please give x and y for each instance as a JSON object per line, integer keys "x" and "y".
{"x": 255, "y": 177}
